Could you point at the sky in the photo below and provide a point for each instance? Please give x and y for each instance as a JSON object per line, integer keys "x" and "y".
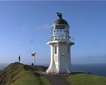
{"x": 25, "y": 26}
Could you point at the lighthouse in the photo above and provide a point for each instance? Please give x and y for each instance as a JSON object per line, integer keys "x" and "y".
{"x": 60, "y": 45}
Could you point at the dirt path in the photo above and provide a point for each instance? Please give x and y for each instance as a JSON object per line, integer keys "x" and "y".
{"x": 54, "y": 79}
{"x": 57, "y": 80}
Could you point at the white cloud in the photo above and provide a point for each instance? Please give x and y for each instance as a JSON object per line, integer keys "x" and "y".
{"x": 45, "y": 26}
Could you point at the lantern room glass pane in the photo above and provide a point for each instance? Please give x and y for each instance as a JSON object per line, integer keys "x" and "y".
{"x": 60, "y": 32}
{"x": 60, "y": 27}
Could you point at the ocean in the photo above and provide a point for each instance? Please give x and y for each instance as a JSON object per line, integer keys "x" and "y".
{"x": 98, "y": 69}
{"x": 2, "y": 66}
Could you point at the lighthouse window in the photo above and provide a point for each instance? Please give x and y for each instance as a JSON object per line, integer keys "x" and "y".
{"x": 55, "y": 50}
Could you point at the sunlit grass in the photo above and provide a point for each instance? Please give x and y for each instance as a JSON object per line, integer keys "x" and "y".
{"x": 86, "y": 79}
{"x": 29, "y": 78}
{"x": 15, "y": 74}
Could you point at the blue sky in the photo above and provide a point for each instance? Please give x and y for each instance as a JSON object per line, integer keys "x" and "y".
{"x": 25, "y": 27}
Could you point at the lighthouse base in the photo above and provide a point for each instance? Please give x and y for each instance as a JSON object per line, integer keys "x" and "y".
{"x": 53, "y": 68}
{"x": 60, "y": 57}
{"x": 59, "y": 64}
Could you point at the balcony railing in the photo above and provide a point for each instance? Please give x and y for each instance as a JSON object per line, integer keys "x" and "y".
{"x": 62, "y": 38}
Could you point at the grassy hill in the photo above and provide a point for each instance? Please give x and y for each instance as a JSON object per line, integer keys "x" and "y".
{"x": 86, "y": 79}
{"x": 19, "y": 74}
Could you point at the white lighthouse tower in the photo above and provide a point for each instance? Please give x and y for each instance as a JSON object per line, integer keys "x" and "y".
{"x": 60, "y": 44}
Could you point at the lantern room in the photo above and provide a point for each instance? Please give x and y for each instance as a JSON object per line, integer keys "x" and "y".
{"x": 60, "y": 29}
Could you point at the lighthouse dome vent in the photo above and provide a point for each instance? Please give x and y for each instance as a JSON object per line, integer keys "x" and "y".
{"x": 60, "y": 20}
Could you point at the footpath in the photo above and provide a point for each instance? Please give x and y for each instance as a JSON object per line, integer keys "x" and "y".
{"x": 54, "y": 79}
{"x": 57, "y": 79}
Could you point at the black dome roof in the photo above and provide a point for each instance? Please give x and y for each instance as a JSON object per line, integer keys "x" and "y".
{"x": 60, "y": 21}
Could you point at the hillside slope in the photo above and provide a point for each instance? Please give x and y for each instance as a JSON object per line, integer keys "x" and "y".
{"x": 86, "y": 79}
{"x": 20, "y": 74}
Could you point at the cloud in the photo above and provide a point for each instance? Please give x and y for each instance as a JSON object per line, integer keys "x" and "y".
{"x": 45, "y": 26}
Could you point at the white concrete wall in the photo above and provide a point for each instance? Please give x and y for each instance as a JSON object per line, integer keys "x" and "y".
{"x": 54, "y": 63}
{"x": 59, "y": 63}
{"x": 65, "y": 63}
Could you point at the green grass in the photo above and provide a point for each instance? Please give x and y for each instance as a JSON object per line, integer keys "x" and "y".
{"x": 15, "y": 74}
{"x": 86, "y": 79}
{"x": 20, "y": 74}
{"x": 29, "y": 78}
